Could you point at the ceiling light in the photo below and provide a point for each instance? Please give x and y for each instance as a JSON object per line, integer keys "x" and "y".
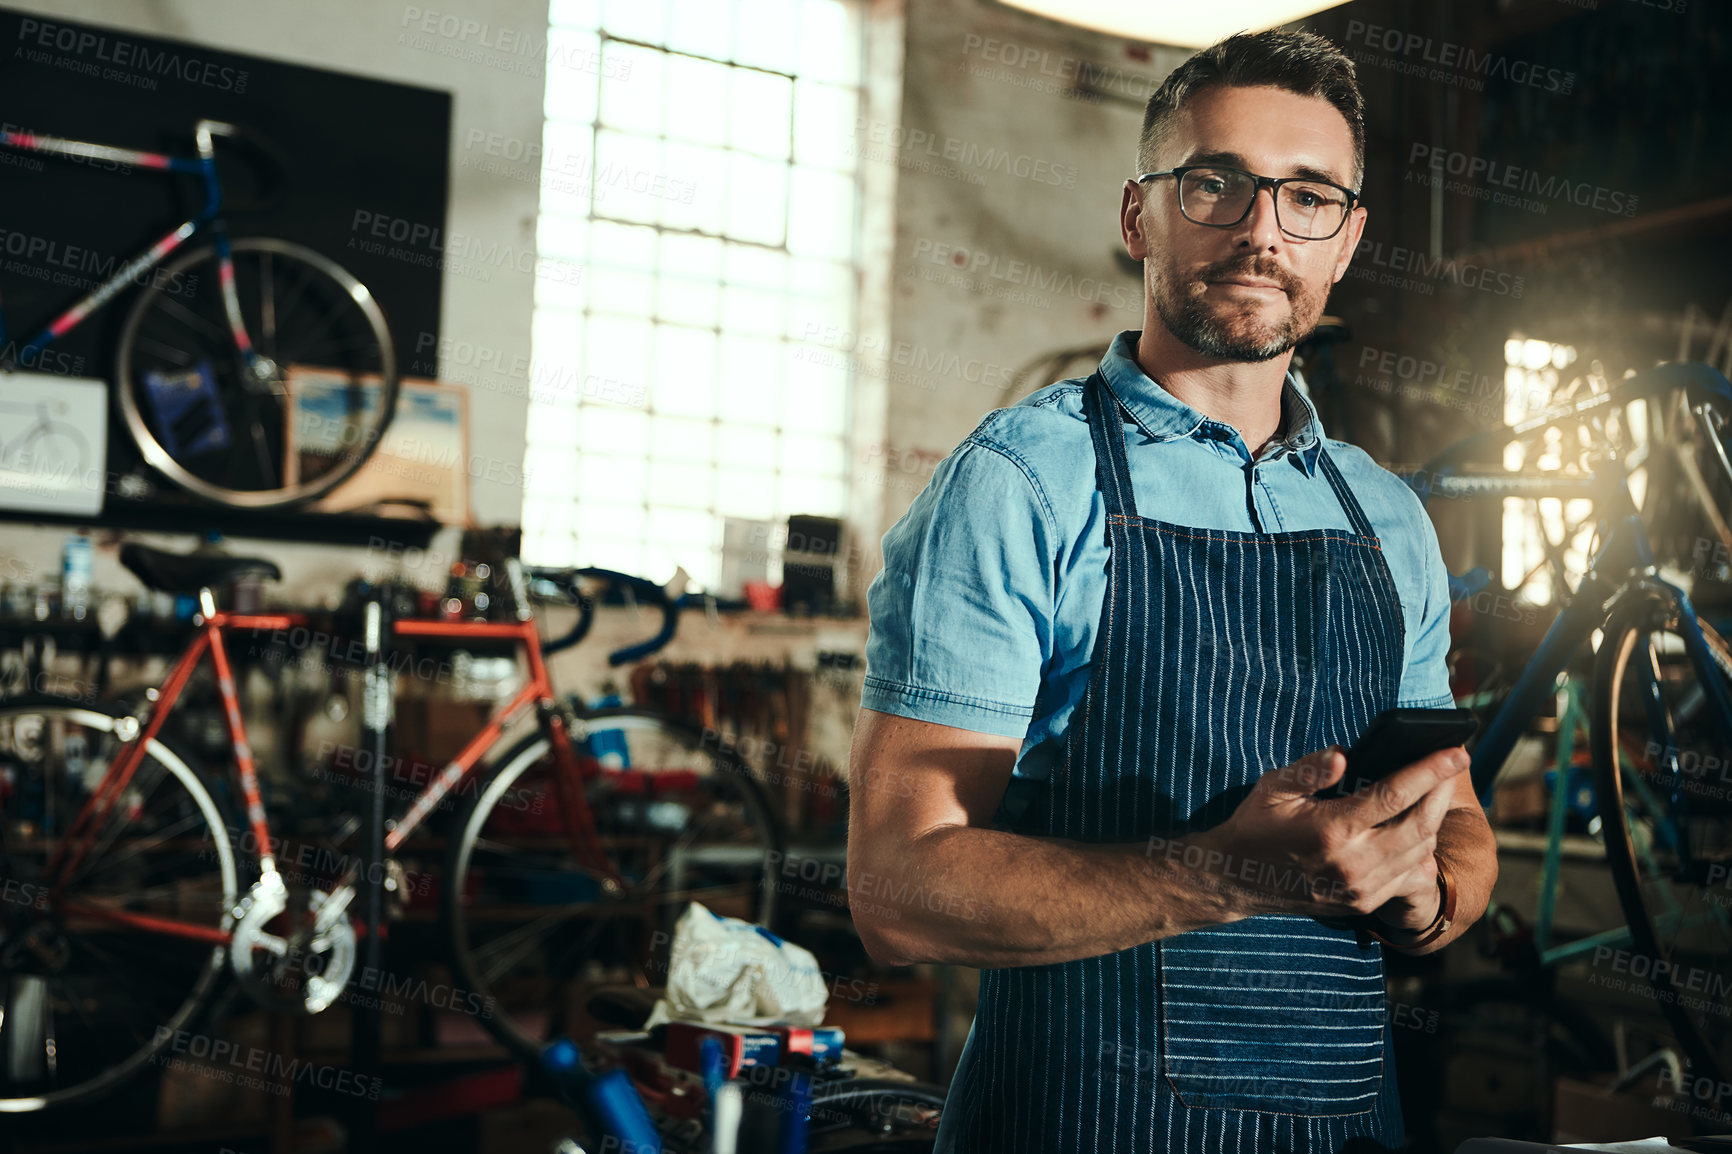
{"x": 1186, "y": 23}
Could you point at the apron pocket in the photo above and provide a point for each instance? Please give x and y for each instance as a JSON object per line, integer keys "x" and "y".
{"x": 1276, "y": 1014}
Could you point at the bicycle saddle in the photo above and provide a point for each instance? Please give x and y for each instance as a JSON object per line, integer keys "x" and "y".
{"x": 189, "y": 572}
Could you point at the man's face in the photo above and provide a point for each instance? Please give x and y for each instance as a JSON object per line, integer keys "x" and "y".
{"x": 1249, "y": 292}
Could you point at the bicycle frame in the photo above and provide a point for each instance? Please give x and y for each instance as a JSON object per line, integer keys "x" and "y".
{"x": 70, "y": 854}
{"x": 1626, "y": 550}
{"x": 537, "y": 693}
{"x": 204, "y": 166}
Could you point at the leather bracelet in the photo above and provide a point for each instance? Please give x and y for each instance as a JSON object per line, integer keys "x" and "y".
{"x": 1439, "y": 925}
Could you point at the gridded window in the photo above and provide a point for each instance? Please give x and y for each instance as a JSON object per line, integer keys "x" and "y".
{"x": 696, "y": 164}
{"x": 1540, "y": 534}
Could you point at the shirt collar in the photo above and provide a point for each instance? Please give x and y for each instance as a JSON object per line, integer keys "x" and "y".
{"x": 1164, "y": 417}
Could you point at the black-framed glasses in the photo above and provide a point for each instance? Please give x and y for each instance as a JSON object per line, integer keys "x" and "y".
{"x": 1306, "y": 208}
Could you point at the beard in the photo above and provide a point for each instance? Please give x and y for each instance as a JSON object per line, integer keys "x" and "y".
{"x": 1233, "y": 332}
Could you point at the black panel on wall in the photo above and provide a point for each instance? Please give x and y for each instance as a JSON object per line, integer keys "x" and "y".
{"x": 1647, "y": 129}
{"x": 350, "y": 149}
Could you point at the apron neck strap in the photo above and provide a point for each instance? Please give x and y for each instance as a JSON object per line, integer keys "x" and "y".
{"x": 1349, "y": 503}
{"x": 1113, "y": 470}
{"x": 1106, "y": 418}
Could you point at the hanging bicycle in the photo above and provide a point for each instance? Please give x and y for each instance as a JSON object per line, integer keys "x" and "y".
{"x": 207, "y": 358}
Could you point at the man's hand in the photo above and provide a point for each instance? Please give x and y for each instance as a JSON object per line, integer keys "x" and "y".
{"x": 1416, "y": 908}
{"x": 1371, "y": 853}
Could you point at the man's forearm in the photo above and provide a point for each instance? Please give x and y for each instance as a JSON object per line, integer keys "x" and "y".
{"x": 980, "y": 897}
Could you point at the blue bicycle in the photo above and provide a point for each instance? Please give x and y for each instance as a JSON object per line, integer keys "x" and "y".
{"x": 1660, "y": 702}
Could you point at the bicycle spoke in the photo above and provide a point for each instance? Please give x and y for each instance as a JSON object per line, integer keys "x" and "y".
{"x": 190, "y": 821}
{"x": 286, "y": 310}
{"x": 561, "y": 868}
{"x": 293, "y": 355}
{"x": 513, "y": 946}
{"x": 79, "y": 1011}
{"x": 250, "y": 410}
{"x": 669, "y": 855}
{"x": 267, "y": 307}
{"x": 262, "y": 453}
{"x": 115, "y": 828}
{"x": 170, "y": 354}
{"x": 129, "y": 976}
{"x": 136, "y": 895}
{"x": 216, "y": 334}
{"x": 340, "y": 343}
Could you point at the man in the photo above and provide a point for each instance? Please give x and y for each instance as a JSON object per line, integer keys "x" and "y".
{"x": 1113, "y": 645}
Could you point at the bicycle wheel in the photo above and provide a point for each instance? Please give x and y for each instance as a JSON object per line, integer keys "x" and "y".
{"x": 86, "y": 1001}
{"x": 533, "y": 929}
{"x": 281, "y": 427}
{"x": 1660, "y": 763}
{"x": 899, "y": 1116}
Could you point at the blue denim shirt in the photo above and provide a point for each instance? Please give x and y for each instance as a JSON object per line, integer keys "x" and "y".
{"x": 986, "y": 612}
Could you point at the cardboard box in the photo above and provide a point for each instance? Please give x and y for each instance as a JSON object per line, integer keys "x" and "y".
{"x": 1481, "y": 1081}
{"x": 896, "y": 1011}
{"x": 1523, "y": 801}
{"x": 1583, "y": 1112}
{"x": 435, "y": 728}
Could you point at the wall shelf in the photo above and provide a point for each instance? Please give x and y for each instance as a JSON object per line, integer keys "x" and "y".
{"x": 269, "y": 524}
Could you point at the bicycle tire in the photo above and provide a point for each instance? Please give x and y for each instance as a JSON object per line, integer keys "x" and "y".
{"x": 142, "y": 348}
{"x": 522, "y": 992}
{"x": 87, "y": 1054}
{"x": 1630, "y": 811}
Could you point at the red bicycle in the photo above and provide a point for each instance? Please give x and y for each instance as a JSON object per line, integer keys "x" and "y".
{"x": 131, "y": 879}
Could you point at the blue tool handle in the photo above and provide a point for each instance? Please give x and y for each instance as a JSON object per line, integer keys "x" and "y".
{"x": 714, "y": 1066}
{"x": 607, "y": 1102}
{"x": 797, "y": 1106}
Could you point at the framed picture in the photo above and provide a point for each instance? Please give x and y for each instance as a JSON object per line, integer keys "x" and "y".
{"x": 53, "y": 441}
{"x": 422, "y": 459}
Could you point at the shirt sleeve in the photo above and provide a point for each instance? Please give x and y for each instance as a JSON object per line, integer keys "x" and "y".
{"x": 962, "y": 610}
{"x": 1425, "y": 681}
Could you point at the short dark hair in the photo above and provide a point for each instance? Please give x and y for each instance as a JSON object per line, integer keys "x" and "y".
{"x": 1301, "y": 62}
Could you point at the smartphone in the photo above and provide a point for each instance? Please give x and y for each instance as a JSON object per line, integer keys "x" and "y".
{"x": 1397, "y": 738}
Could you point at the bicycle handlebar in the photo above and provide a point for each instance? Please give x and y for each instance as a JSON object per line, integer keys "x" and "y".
{"x": 1469, "y": 583}
{"x": 270, "y": 165}
{"x": 1702, "y": 385}
{"x": 640, "y": 587}
{"x": 1503, "y": 485}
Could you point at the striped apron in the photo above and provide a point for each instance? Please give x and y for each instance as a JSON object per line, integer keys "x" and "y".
{"x": 1221, "y": 655}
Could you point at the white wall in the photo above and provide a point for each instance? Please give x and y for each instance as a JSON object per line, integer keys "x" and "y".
{"x": 982, "y": 92}
{"x": 492, "y": 94}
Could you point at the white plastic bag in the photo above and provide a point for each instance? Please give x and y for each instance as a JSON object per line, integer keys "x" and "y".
{"x": 726, "y": 971}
